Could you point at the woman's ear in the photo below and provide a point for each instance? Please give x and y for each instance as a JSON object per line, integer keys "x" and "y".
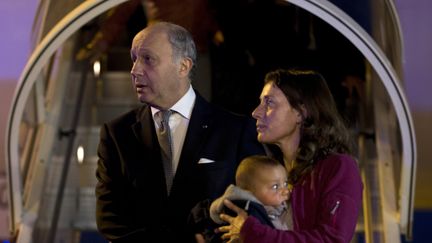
{"x": 185, "y": 67}
{"x": 301, "y": 114}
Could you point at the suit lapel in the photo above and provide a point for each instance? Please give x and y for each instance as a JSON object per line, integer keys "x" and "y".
{"x": 144, "y": 131}
{"x": 199, "y": 126}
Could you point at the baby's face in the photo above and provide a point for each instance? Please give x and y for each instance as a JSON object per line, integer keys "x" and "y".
{"x": 271, "y": 186}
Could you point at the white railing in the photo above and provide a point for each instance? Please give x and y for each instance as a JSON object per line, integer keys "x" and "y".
{"x": 78, "y": 17}
{"x": 321, "y": 8}
{"x": 378, "y": 60}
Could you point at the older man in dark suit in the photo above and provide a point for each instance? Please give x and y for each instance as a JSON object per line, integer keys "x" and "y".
{"x": 140, "y": 196}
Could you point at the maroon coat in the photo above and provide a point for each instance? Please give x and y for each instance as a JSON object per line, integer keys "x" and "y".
{"x": 325, "y": 206}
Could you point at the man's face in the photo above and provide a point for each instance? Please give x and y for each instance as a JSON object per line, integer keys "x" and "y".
{"x": 155, "y": 75}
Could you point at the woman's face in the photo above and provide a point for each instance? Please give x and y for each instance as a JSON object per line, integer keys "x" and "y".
{"x": 277, "y": 121}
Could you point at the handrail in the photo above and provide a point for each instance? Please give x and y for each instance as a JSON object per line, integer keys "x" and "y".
{"x": 78, "y": 17}
{"x": 371, "y": 51}
{"x": 405, "y": 215}
{"x": 397, "y": 25}
{"x": 71, "y": 135}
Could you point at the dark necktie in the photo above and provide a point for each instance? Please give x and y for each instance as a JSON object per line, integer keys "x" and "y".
{"x": 165, "y": 142}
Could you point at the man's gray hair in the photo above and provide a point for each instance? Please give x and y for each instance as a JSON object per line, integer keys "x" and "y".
{"x": 181, "y": 41}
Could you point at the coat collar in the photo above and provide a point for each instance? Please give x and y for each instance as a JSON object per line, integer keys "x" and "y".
{"x": 200, "y": 124}
{"x": 144, "y": 128}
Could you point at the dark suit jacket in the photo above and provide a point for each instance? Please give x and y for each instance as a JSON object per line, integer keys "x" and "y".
{"x": 132, "y": 201}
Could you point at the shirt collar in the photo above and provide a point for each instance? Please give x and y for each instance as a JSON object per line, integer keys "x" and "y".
{"x": 183, "y": 106}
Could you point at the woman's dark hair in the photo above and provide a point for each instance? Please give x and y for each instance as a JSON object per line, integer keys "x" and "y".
{"x": 323, "y": 130}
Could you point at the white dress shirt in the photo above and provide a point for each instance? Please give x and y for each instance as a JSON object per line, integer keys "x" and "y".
{"x": 178, "y": 122}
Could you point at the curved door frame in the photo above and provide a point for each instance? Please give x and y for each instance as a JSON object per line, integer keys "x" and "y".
{"x": 323, "y": 9}
{"x": 74, "y": 20}
{"x": 372, "y": 52}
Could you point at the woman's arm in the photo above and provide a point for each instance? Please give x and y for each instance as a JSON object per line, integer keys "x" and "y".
{"x": 329, "y": 217}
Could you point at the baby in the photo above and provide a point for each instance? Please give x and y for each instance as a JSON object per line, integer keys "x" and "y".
{"x": 261, "y": 189}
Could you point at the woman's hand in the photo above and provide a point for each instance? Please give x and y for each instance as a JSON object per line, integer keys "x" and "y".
{"x": 232, "y": 231}
{"x": 199, "y": 238}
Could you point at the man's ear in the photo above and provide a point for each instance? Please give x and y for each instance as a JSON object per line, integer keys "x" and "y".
{"x": 185, "y": 67}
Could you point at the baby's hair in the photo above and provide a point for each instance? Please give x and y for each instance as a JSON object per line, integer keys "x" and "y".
{"x": 246, "y": 171}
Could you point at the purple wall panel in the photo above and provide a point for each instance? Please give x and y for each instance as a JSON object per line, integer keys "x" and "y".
{"x": 416, "y": 21}
{"x": 16, "y": 18}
